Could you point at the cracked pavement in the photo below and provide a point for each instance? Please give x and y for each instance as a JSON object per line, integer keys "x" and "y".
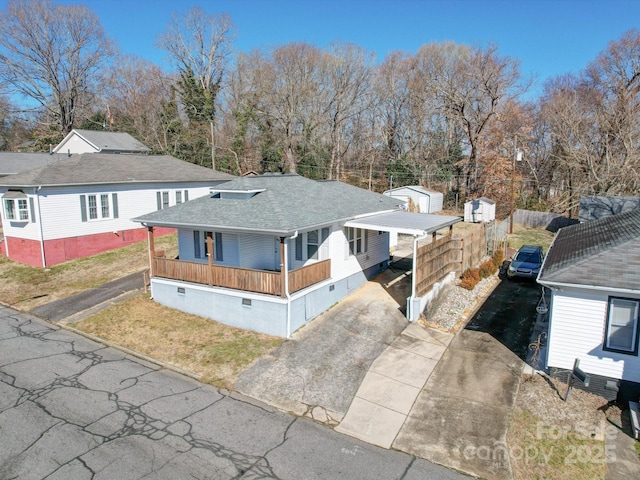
{"x": 71, "y": 408}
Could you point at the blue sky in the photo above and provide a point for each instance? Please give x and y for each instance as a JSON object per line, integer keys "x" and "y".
{"x": 549, "y": 37}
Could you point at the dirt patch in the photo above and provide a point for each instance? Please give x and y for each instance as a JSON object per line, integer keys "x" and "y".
{"x": 552, "y": 439}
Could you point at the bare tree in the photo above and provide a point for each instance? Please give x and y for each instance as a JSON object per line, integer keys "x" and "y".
{"x": 348, "y": 71}
{"x": 52, "y": 54}
{"x": 469, "y": 85}
{"x": 199, "y": 45}
{"x": 137, "y": 94}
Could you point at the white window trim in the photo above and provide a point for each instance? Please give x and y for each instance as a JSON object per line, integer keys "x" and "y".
{"x": 353, "y": 235}
{"x": 634, "y": 338}
{"x": 19, "y": 211}
{"x": 100, "y": 206}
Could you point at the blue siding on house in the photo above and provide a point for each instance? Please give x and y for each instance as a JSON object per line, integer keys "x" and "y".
{"x": 266, "y": 314}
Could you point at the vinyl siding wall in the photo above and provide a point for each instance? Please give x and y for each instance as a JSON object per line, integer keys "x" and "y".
{"x": 76, "y": 145}
{"x": 576, "y": 330}
{"x": 61, "y": 213}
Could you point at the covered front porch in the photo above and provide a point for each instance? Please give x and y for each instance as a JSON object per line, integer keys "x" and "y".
{"x": 278, "y": 283}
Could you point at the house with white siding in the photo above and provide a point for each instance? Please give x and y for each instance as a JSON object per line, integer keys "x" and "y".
{"x": 83, "y": 204}
{"x": 99, "y": 141}
{"x": 593, "y": 272}
{"x": 271, "y": 252}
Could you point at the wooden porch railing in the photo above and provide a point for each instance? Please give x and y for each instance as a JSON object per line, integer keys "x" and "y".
{"x": 258, "y": 281}
{"x": 308, "y": 275}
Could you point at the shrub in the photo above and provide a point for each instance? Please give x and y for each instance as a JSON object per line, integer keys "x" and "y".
{"x": 469, "y": 278}
{"x": 487, "y": 268}
{"x": 498, "y": 257}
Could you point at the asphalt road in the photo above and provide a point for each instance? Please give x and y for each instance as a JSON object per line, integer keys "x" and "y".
{"x": 73, "y": 409}
{"x": 509, "y": 314}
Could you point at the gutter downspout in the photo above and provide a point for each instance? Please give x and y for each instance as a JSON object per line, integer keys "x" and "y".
{"x": 412, "y": 298}
{"x": 44, "y": 258}
{"x": 286, "y": 281}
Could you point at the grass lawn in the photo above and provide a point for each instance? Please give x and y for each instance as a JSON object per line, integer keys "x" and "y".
{"x": 25, "y": 287}
{"x": 530, "y": 236}
{"x": 215, "y": 352}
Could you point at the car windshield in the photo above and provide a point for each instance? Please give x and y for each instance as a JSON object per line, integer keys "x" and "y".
{"x": 529, "y": 257}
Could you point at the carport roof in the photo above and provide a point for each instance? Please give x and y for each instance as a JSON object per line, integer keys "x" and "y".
{"x": 404, "y": 222}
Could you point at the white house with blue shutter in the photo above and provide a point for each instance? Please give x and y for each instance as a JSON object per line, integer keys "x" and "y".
{"x": 82, "y": 204}
{"x": 271, "y": 252}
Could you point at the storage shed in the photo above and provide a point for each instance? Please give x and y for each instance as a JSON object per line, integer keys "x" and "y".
{"x": 426, "y": 201}
{"x": 481, "y": 209}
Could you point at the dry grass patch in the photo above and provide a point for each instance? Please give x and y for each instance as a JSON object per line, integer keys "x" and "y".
{"x": 530, "y": 236}
{"x": 214, "y": 351}
{"x": 551, "y": 439}
{"x": 27, "y": 287}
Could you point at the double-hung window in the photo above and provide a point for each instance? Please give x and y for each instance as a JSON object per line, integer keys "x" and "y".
{"x": 312, "y": 244}
{"x": 217, "y": 245}
{"x": 622, "y": 325}
{"x": 162, "y": 200}
{"x": 16, "y": 209}
{"x": 102, "y": 206}
{"x": 357, "y": 238}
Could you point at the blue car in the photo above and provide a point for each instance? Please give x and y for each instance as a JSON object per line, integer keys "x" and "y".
{"x": 526, "y": 262}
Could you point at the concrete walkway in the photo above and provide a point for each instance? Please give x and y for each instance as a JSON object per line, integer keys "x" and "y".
{"x": 392, "y": 384}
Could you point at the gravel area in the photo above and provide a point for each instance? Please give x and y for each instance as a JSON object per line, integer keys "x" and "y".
{"x": 454, "y": 306}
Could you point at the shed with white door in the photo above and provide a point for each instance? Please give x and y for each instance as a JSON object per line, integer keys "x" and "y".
{"x": 480, "y": 210}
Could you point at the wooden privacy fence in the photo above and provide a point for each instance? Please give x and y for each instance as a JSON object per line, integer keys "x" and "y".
{"x": 248, "y": 280}
{"x": 437, "y": 259}
{"x": 434, "y": 261}
{"x": 471, "y": 248}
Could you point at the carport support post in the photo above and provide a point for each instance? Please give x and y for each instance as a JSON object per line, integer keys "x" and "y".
{"x": 283, "y": 271}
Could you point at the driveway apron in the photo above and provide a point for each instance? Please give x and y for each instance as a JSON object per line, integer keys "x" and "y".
{"x": 317, "y": 372}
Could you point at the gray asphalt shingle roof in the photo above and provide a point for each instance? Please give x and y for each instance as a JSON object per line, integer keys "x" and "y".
{"x": 603, "y": 253}
{"x": 288, "y": 203}
{"x": 105, "y": 168}
{"x": 109, "y": 141}
{"x": 12, "y": 163}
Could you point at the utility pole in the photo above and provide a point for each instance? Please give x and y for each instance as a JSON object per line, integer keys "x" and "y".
{"x": 517, "y": 156}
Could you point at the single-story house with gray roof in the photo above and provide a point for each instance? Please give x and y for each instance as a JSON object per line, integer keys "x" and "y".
{"x": 271, "y": 252}
{"x": 593, "y": 272}
{"x": 81, "y": 205}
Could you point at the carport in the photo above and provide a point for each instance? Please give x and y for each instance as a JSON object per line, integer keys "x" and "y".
{"x": 420, "y": 226}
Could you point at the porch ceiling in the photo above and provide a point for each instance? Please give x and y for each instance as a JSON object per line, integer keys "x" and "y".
{"x": 404, "y": 222}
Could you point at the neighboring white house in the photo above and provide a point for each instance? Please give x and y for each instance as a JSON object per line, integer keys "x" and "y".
{"x": 426, "y": 201}
{"x": 593, "y": 271}
{"x": 82, "y": 205}
{"x": 481, "y": 209}
{"x": 271, "y": 252}
{"x": 99, "y": 141}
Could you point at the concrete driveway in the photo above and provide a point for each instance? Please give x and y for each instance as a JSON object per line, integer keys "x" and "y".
{"x": 317, "y": 372}
{"x": 362, "y": 368}
{"x": 461, "y": 416}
